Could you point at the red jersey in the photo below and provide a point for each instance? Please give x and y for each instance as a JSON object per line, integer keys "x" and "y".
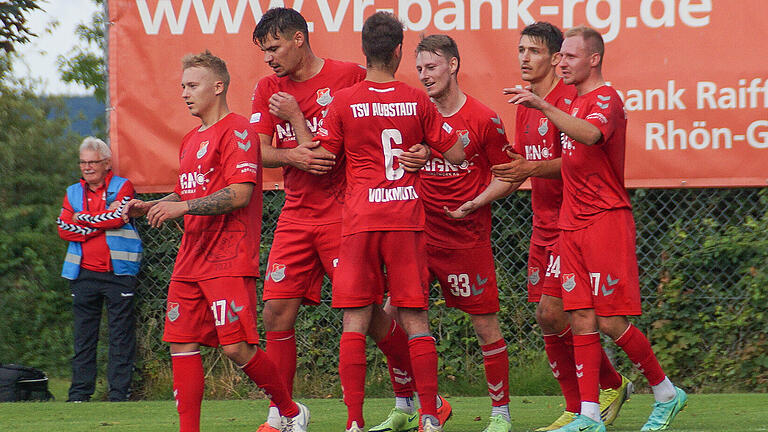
{"x": 94, "y": 220}
{"x": 538, "y": 139}
{"x": 226, "y": 153}
{"x": 309, "y": 199}
{"x": 593, "y": 175}
{"x": 372, "y": 123}
{"x": 481, "y": 132}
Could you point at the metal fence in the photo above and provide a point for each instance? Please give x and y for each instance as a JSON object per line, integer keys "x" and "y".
{"x": 671, "y": 224}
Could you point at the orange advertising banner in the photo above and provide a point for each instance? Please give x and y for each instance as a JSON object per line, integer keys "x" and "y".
{"x": 693, "y": 73}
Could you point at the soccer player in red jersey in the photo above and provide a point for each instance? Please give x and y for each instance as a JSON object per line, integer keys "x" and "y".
{"x": 599, "y": 275}
{"x": 537, "y": 156}
{"x": 212, "y": 294}
{"x": 288, "y": 104}
{"x": 372, "y": 123}
{"x": 458, "y": 241}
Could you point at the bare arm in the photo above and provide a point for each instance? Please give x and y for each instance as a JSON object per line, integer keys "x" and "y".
{"x": 223, "y": 201}
{"x": 136, "y": 207}
{"x": 415, "y": 158}
{"x": 578, "y": 129}
{"x": 455, "y": 154}
{"x": 519, "y": 169}
{"x": 301, "y": 156}
{"x": 496, "y": 189}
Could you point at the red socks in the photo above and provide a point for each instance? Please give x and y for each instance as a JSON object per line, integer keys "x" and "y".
{"x": 188, "y": 385}
{"x": 559, "y": 349}
{"x": 639, "y": 350}
{"x": 496, "y": 361}
{"x": 424, "y": 362}
{"x": 352, "y": 374}
{"x": 264, "y": 373}
{"x": 586, "y": 355}
{"x": 609, "y": 378}
{"x": 395, "y": 347}
{"x": 281, "y": 349}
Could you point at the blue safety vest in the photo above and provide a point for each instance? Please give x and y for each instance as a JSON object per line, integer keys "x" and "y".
{"x": 124, "y": 243}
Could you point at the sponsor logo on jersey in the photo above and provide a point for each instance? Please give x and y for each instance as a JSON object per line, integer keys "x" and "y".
{"x": 538, "y": 152}
{"x": 400, "y": 193}
{"x": 173, "y": 311}
{"x": 569, "y": 281}
{"x": 335, "y": 262}
{"x": 246, "y": 167}
{"x": 543, "y": 126}
{"x": 255, "y": 117}
{"x": 447, "y": 127}
{"x": 533, "y": 275}
{"x": 324, "y": 96}
{"x": 189, "y": 181}
{"x": 603, "y": 105}
{"x": 598, "y": 116}
{"x": 463, "y": 137}
{"x": 285, "y": 131}
{"x": 203, "y": 149}
{"x": 278, "y": 272}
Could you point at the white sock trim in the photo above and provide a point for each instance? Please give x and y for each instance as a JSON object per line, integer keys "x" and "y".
{"x": 185, "y": 354}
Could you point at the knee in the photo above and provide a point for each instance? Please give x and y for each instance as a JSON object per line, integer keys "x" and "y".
{"x": 550, "y": 319}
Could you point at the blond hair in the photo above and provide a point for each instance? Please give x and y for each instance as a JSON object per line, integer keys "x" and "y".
{"x": 208, "y": 61}
{"x": 592, "y": 39}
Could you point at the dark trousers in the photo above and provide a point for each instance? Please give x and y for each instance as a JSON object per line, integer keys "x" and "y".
{"x": 89, "y": 291}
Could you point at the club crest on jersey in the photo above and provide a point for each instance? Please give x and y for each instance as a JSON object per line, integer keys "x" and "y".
{"x": 324, "y": 96}
{"x": 173, "y": 311}
{"x": 203, "y": 149}
{"x": 278, "y": 272}
{"x": 569, "y": 281}
{"x": 463, "y": 137}
{"x": 543, "y": 126}
{"x": 533, "y": 275}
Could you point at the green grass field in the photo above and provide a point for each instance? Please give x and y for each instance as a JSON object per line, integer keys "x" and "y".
{"x": 721, "y": 412}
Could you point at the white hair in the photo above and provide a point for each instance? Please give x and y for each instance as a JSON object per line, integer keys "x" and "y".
{"x": 97, "y": 145}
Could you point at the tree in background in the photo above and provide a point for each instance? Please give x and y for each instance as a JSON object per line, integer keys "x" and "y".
{"x": 14, "y": 28}
{"x": 38, "y": 159}
{"x": 86, "y": 65}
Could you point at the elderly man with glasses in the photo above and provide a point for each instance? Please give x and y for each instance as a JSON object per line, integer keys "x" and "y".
{"x": 101, "y": 263}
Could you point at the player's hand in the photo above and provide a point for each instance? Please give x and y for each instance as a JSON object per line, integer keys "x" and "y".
{"x": 525, "y": 97}
{"x": 114, "y": 205}
{"x": 165, "y": 210}
{"x": 461, "y": 212}
{"x": 516, "y": 171}
{"x": 306, "y": 157}
{"x": 135, "y": 208}
{"x": 285, "y": 106}
{"x": 415, "y": 158}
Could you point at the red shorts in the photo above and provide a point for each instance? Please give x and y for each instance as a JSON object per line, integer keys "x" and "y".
{"x": 599, "y": 266}
{"x": 360, "y": 279}
{"x": 212, "y": 312}
{"x": 467, "y": 278}
{"x": 300, "y": 256}
{"x": 543, "y": 272}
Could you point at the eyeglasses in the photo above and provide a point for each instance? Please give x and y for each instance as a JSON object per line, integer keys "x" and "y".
{"x": 90, "y": 163}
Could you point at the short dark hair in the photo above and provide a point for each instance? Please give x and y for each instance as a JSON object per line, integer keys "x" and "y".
{"x": 592, "y": 39}
{"x": 280, "y": 21}
{"x": 545, "y": 32}
{"x": 382, "y": 33}
{"x": 440, "y": 44}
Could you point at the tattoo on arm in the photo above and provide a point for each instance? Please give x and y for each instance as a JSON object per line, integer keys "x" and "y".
{"x": 219, "y": 202}
{"x": 171, "y": 197}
